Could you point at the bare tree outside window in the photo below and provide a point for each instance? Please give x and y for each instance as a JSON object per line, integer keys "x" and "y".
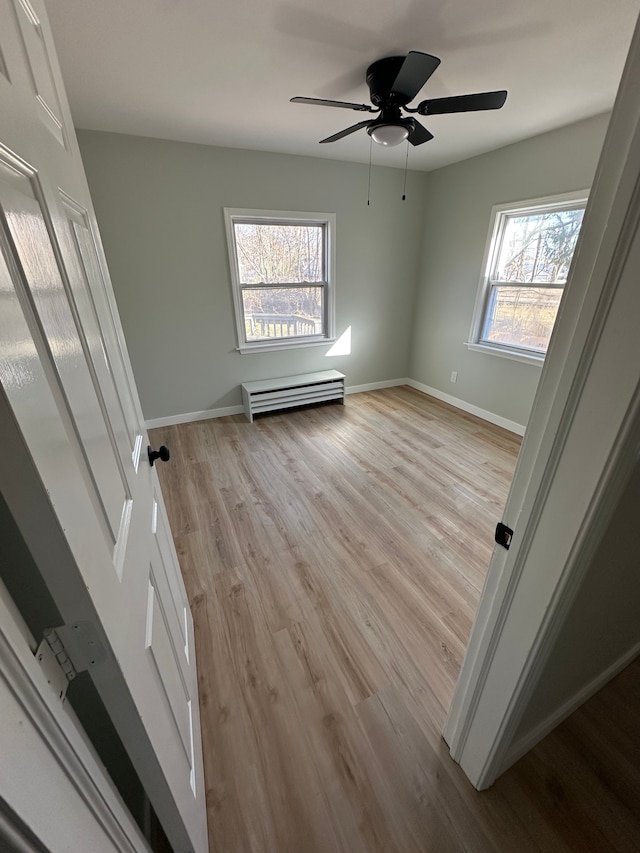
{"x": 281, "y": 273}
{"x": 279, "y": 254}
{"x": 529, "y": 267}
{"x": 539, "y": 248}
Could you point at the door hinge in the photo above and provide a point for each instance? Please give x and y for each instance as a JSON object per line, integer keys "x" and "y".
{"x": 504, "y": 535}
{"x": 68, "y": 650}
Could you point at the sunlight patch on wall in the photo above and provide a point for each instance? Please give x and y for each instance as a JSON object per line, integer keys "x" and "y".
{"x": 343, "y": 345}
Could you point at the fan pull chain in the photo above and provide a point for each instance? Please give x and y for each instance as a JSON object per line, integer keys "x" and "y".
{"x": 406, "y": 164}
{"x": 369, "y": 186}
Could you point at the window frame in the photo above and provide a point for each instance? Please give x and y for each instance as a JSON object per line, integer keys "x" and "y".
{"x": 500, "y": 214}
{"x": 280, "y": 217}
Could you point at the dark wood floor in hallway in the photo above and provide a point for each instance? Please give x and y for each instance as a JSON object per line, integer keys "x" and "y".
{"x": 334, "y": 558}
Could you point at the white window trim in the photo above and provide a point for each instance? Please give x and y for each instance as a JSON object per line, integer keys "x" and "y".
{"x": 293, "y": 218}
{"x": 498, "y": 211}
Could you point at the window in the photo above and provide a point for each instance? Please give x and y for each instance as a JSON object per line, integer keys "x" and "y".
{"x": 282, "y": 277}
{"x": 528, "y": 258}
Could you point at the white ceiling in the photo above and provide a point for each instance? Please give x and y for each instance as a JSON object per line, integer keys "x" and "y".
{"x": 222, "y": 73}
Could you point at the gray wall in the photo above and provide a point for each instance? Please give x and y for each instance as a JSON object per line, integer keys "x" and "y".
{"x": 460, "y": 198}
{"x": 407, "y": 272}
{"x": 602, "y": 625}
{"x": 159, "y": 206}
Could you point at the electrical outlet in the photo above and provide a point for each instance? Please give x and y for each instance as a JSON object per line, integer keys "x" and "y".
{"x": 454, "y": 376}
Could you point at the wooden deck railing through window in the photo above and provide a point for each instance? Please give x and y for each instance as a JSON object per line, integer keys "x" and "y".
{"x": 280, "y": 326}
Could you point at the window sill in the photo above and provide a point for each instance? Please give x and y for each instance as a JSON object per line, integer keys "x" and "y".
{"x": 272, "y": 346}
{"x": 525, "y": 356}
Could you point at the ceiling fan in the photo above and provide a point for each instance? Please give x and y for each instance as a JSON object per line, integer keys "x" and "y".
{"x": 393, "y": 83}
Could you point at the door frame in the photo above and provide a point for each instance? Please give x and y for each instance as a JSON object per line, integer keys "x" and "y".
{"x": 559, "y": 513}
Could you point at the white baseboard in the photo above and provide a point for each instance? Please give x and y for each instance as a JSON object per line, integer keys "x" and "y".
{"x": 498, "y": 420}
{"x": 530, "y": 739}
{"x": 375, "y": 386}
{"x": 170, "y": 420}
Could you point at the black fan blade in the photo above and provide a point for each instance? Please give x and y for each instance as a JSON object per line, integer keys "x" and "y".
{"x": 346, "y": 105}
{"x": 415, "y": 71}
{"x": 352, "y": 129}
{"x": 463, "y": 103}
{"x": 419, "y": 134}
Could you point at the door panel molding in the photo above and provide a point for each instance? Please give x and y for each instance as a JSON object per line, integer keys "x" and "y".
{"x": 39, "y": 64}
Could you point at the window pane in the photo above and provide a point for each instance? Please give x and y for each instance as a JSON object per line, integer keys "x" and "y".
{"x": 288, "y": 312}
{"x": 278, "y": 254}
{"x": 521, "y": 316}
{"x": 538, "y": 247}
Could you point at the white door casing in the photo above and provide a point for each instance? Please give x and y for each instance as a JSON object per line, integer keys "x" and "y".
{"x": 578, "y": 451}
{"x": 66, "y": 376}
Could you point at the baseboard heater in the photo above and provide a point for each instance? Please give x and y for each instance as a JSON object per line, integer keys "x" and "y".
{"x": 270, "y": 395}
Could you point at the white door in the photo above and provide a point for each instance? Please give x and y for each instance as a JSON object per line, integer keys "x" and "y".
{"x": 65, "y": 373}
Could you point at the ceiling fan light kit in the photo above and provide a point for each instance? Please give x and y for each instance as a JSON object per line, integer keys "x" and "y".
{"x": 393, "y": 83}
{"x": 388, "y": 134}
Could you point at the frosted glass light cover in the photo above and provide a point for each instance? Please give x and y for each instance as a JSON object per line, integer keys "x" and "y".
{"x": 390, "y": 134}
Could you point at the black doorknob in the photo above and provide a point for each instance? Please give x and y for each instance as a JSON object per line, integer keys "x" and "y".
{"x": 162, "y": 454}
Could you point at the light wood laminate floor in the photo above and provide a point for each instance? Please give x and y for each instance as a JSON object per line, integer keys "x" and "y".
{"x": 334, "y": 558}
